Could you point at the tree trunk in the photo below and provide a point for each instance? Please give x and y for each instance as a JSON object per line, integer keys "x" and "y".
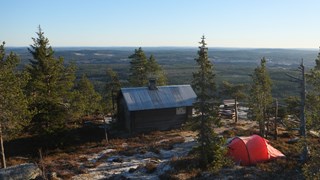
{"x": 3, "y": 159}
{"x": 113, "y": 103}
{"x": 268, "y": 126}
{"x": 263, "y": 124}
{"x": 302, "y": 105}
{"x": 260, "y": 119}
{"x": 303, "y": 133}
{"x": 235, "y": 110}
{"x": 276, "y": 122}
{"x": 105, "y": 129}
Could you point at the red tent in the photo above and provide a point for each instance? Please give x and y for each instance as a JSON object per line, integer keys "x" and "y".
{"x": 251, "y": 150}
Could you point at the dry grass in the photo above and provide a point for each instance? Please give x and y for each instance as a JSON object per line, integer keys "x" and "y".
{"x": 150, "y": 167}
{"x": 283, "y": 168}
{"x": 71, "y": 160}
{"x": 183, "y": 168}
{"x": 152, "y": 142}
{"x": 17, "y": 160}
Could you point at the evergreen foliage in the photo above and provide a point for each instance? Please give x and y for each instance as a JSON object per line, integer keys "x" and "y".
{"x": 112, "y": 89}
{"x": 86, "y": 100}
{"x": 14, "y": 114}
{"x": 210, "y": 145}
{"x": 138, "y": 69}
{"x": 49, "y": 87}
{"x": 313, "y": 96}
{"x": 155, "y": 71}
{"x": 293, "y": 105}
{"x": 311, "y": 166}
{"x": 234, "y": 91}
{"x": 317, "y": 60}
{"x": 141, "y": 69}
{"x": 260, "y": 96}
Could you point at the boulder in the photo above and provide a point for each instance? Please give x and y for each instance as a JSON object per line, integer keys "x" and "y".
{"x": 22, "y": 171}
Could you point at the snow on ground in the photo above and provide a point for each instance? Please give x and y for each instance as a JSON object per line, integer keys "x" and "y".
{"x": 132, "y": 166}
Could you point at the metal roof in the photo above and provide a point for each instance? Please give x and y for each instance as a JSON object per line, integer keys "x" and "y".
{"x": 141, "y": 98}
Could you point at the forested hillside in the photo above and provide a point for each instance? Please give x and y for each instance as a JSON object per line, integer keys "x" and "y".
{"x": 231, "y": 64}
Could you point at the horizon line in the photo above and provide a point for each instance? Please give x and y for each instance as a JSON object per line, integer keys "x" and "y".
{"x": 215, "y": 47}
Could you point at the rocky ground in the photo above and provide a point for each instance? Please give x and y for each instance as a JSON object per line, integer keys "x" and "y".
{"x": 164, "y": 155}
{"x": 147, "y": 165}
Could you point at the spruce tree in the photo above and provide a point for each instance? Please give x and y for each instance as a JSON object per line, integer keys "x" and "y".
{"x": 87, "y": 101}
{"x": 210, "y": 150}
{"x": 260, "y": 95}
{"x": 49, "y": 87}
{"x": 317, "y": 60}
{"x": 138, "y": 68}
{"x": 14, "y": 114}
{"x": 155, "y": 71}
{"x": 311, "y": 166}
{"x": 313, "y": 96}
{"x": 112, "y": 87}
{"x": 142, "y": 69}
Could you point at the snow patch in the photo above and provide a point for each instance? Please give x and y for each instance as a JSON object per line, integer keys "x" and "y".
{"x": 101, "y": 54}
{"x": 79, "y": 54}
{"x": 132, "y": 167}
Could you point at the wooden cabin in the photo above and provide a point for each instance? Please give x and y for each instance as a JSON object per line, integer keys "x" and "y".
{"x": 143, "y": 109}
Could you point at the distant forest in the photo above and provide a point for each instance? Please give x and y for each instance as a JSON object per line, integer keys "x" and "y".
{"x": 230, "y": 64}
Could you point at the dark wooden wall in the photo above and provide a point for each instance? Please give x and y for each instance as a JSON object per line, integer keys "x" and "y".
{"x": 157, "y": 119}
{"x": 149, "y": 120}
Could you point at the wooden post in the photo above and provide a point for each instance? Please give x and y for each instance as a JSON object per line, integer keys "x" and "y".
{"x": 263, "y": 132}
{"x": 268, "y": 125}
{"x": 105, "y": 129}
{"x": 42, "y": 165}
{"x": 3, "y": 159}
{"x": 303, "y": 133}
{"x": 113, "y": 103}
{"x": 303, "y": 100}
{"x": 235, "y": 110}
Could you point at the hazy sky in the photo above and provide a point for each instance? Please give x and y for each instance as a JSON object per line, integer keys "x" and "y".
{"x": 225, "y": 23}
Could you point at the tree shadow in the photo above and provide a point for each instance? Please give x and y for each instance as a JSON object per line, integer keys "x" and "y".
{"x": 64, "y": 139}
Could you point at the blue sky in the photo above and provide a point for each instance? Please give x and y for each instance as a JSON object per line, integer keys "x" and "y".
{"x": 225, "y": 23}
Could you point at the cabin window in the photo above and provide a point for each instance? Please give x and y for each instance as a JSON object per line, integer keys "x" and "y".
{"x": 181, "y": 110}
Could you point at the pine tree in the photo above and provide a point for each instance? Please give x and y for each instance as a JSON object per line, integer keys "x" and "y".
{"x": 204, "y": 85}
{"x": 260, "y": 96}
{"x": 142, "y": 69}
{"x": 113, "y": 87}
{"x": 138, "y": 68}
{"x": 311, "y": 166}
{"x": 155, "y": 71}
{"x": 313, "y": 96}
{"x": 317, "y": 60}
{"x": 87, "y": 101}
{"x": 14, "y": 114}
{"x": 49, "y": 87}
